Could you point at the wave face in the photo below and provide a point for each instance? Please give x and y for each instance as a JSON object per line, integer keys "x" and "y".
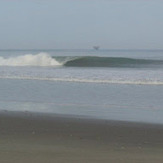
{"x": 41, "y": 59}
{"x": 44, "y": 59}
{"x": 90, "y": 61}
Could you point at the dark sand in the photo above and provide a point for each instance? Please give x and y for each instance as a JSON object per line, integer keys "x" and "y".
{"x": 36, "y": 138}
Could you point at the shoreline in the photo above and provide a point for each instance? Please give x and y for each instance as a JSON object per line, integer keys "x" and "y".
{"x": 33, "y": 137}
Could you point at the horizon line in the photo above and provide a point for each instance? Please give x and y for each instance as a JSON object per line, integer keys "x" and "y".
{"x": 51, "y": 49}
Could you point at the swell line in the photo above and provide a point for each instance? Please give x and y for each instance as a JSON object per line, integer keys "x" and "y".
{"x": 44, "y": 59}
{"x": 96, "y": 61}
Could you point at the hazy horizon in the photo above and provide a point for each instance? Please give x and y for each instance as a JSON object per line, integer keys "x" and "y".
{"x": 69, "y": 24}
{"x": 52, "y": 49}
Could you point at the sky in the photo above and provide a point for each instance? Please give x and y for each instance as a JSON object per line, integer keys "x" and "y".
{"x": 81, "y": 24}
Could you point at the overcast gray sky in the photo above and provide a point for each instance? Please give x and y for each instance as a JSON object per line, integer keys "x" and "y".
{"x": 115, "y": 24}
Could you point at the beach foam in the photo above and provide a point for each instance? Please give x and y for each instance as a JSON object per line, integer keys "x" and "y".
{"x": 130, "y": 82}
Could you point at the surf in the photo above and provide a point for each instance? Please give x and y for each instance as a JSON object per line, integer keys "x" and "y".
{"x": 46, "y": 60}
{"x": 41, "y": 59}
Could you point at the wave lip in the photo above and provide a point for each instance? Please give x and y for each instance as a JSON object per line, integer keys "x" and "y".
{"x": 41, "y": 59}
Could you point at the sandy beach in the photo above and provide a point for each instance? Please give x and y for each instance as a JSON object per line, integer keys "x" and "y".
{"x": 41, "y": 138}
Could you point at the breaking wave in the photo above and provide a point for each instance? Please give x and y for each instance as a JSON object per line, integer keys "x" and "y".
{"x": 41, "y": 59}
{"x": 44, "y": 59}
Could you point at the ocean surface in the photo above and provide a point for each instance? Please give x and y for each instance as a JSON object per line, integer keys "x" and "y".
{"x": 122, "y": 85}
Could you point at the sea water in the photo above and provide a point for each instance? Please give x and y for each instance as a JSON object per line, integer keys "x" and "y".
{"x": 106, "y": 84}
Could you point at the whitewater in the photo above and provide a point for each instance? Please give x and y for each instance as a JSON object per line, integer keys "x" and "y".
{"x": 41, "y": 59}
{"x": 87, "y": 69}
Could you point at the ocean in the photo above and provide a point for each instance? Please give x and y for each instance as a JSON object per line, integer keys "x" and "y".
{"x": 123, "y": 85}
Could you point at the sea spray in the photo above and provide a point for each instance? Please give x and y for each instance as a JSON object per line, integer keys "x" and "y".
{"x": 41, "y": 59}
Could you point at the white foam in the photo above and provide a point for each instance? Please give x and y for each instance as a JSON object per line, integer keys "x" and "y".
{"x": 41, "y": 59}
{"x": 138, "y": 82}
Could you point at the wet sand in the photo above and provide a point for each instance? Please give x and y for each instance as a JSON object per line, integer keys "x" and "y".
{"x": 42, "y": 138}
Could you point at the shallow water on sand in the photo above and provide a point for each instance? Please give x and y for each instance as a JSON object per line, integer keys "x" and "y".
{"x": 105, "y": 101}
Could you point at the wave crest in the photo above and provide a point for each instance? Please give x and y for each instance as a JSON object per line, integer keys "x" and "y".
{"x": 41, "y": 59}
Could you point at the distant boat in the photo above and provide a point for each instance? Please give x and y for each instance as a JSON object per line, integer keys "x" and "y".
{"x": 96, "y": 47}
